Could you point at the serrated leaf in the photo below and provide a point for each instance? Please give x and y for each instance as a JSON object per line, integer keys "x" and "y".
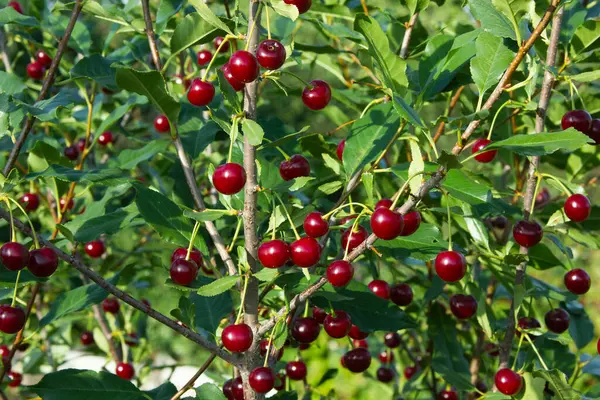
{"x": 332, "y": 163}
{"x": 543, "y": 143}
{"x": 367, "y": 180}
{"x": 229, "y": 93}
{"x": 407, "y": 112}
{"x": 11, "y": 84}
{"x": 491, "y": 60}
{"x": 417, "y": 165}
{"x": 447, "y": 350}
{"x": 218, "y": 286}
{"x": 300, "y": 182}
{"x": 110, "y": 224}
{"x": 477, "y": 229}
{"x": 491, "y": 19}
{"x": 266, "y": 274}
{"x": 210, "y": 17}
{"x": 191, "y": 31}
{"x": 252, "y": 131}
{"x": 466, "y": 189}
{"x": 130, "y": 158}
{"x": 557, "y": 382}
{"x": 209, "y": 311}
{"x": 110, "y": 176}
{"x": 209, "y": 391}
{"x": 46, "y": 110}
{"x": 280, "y": 335}
{"x": 285, "y": 10}
{"x": 97, "y": 68}
{"x": 9, "y": 15}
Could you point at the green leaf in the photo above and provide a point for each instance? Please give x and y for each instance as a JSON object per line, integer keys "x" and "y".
{"x": 73, "y": 384}
{"x": 11, "y": 83}
{"x": 286, "y": 10}
{"x": 166, "y": 10}
{"x": 195, "y": 136}
{"x": 118, "y": 113}
{"x": 252, "y": 131}
{"x": 266, "y": 274}
{"x": 300, "y": 182}
{"x": 464, "y": 188}
{"x": 218, "y": 286}
{"x": 557, "y": 382}
{"x": 581, "y": 327}
{"x": 491, "y": 19}
{"x": 46, "y": 110}
{"x": 477, "y": 229}
{"x": 280, "y": 335}
{"x": 209, "y": 311}
{"x": 209, "y": 16}
{"x": 9, "y": 15}
{"x": 424, "y": 244}
{"x": 417, "y": 5}
{"x": 534, "y": 387}
{"x": 447, "y": 350}
{"x": 492, "y": 59}
{"x": 130, "y": 158}
{"x": 110, "y": 224}
{"x": 207, "y": 215}
{"x": 407, "y": 112}
{"x": 228, "y": 92}
{"x": 164, "y": 392}
{"x": 94, "y": 176}
{"x": 209, "y": 391}
{"x": 543, "y": 143}
{"x": 97, "y": 68}
{"x": 367, "y": 180}
{"x": 417, "y": 165}
{"x": 191, "y": 31}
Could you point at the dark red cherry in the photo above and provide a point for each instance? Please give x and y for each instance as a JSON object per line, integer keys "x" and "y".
{"x": 35, "y": 70}
{"x": 71, "y": 152}
{"x": 12, "y": 319}
{"x": 235, "y": 84}
{"x": 526, "y": 323}
{"x": 447, "y": 395}
{"x": 42, "y": 262}
{"x": 401, "y": 294}
{"x": 385, "y": 374}
{"x": 306, "y": 330}
{"x": 380, "y": 288}
{"x": 577, "y": 281}
{"x": 15, "y": 379}
{"x": 296, "y": 370}
{"x": 244, "y": 66}
{"x": 95, "y": 248}
{"x": 450, "y": 266}
{"x": 353, "y": 239}
{"x": 319, "y": 314}
{"x": 384, "y": 203}
{"x": 508, "y": 381}
{"x": 542, "y": 198}
{"x": 357, "y": 334}
{"x": 217, "y": 42}
{"x": 295, "y": 167}
{"x": 161, "y": 124}
{"x": 386, "y": 357}
{"x": 391, "y": 340}
{"x": 484, "y": 157}
{"x": 80, "y": 145}
{"x": 409, "y": 372}
{"x": 203, "y": 57}
{"x": 229, "y": 178}
{"x": 301, "y": 5}
{"x": 228, "y": 389}
{"x": 578, "y": 119}
{"x": 356, "y": 343}
{"x": 386, "y": 224}
{"x": 105, "y": 138}
{"x": 237, "y": 388}
{"x": 111, "y": 305}
{"x": 16, "y": 6}
{"x": 125, "y": 370}
{"x": 578, "y": 208}
{"x": 64, "y": 205}
{"x": 337, "y": 327}
{"x": 314, "y": 225}
{"x": 200, "y": 93}
{"x": 357, "y": 360}
{"x": 237, "y": 338}
{"x": 270, "y": 54}
{"x": 412, "y": 221}
{"x": 594, "y": 131}
{"x": 86, "y": 338}
{"x": 527, "y": 233}
{"x": 274, "y": 254}
{"x": 340, "y": 149}
{"x": 340, "y": 273}
{"x": 492, "y": 349}
{"x": 183, "y": 272}
{"x": 317, "y": 95}
{"x": 264, "y": 346}
{"x": 14, "y": 256}
{"x": 557, "y": 320}
{"x": 279, "y": 382}
{"x": 463, "y": 306}
{"x": 43, "y": 58}
{"x": 30, "y": 201}
{"x": 195, "y": 255}
{"x": 305, "y": 252}
{"x": 261, "y": 379}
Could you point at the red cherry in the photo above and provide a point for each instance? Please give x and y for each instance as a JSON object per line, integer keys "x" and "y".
{"x": 237, "y": 388}
{"x": 279, "y": 382}
{"x": 319, "y": 314}
{"x": 15, "y": 379}
{"x": 295, "y": 167}
{"x": 386, "y": 224}
{"x": 86, "y": 338}
{"x": 353, "y": 239}
{"x": 125, "y": 370}
{"x": 161, "y": 124}
{"x": 577, "y": 281}
{"x": 43, "y": 58}
{"x": 237, "y": 338}
{"x": 71, "y": 152}
{"x": 228, "y": 389}
{"x": 235, "y": 84}
{"x": 401, "y": 294}
{"x": 340, "y": 273}
{"x": 296, "y": 370}
{"x": 484, "y": 157}
{"x": 492, "y": 349}
{"x": 306, "y": 330}
{"x": 305, "y": 252}
{"x": 229, "y": 178}
{"x": 244, "y": 66}
{"x": 508, "y": 381}
{"x": 111, "y": 305}
{"x": 386, "y": 357}
{"x": 578, "y": 119}
{"x": 542, "y": 198}
{"x": 356, "y": 343}
{"x": 195, "y": 255}
{"x": 450, "y": 266}
{"x": 594, "y": 131}
{"x": 200, "y": 93}
{"x": 578, "y": 208}
{"x": 183, "y": 272}
{"x": 380, "y": 288}
{"x": 14, "y": 256}
{"x": 447, "y": 395}
{"x": 527, "y": 233}
{"x": 261, "y": 379}
{"x": 391, "y": 340}
{"x": 340, "y": 149}
{"x": 346, "y": 219}
{"x": 384, "y": 203}
{"x": 63, "y": 202}
{"x": 526, "y": 323}
{"x": 357, "y": 334}
{"x": 264, "y": 345}
{"x": 217, "y": 42}
{"x": 314, "y": 225}
{"x": 301, "y": 5}
{"x": 463, "y": 306}
{"x": 274, "y": 254}
{"x": 42, "y": 262}
{"x": 317, "y": 95}
{"x": 270, "y": 54}
{"x": 105, "y": 138}
{"x": 16, "y": 6}
{"x": 12, "y": 319}
{"x": 35, "y": 70}
{"x": 337, "y": 327}
{"x": 30, "y": 201}
{"x": 357, "y": 360}
{"x": 409, "y": 372}
{"x": 204, "y": 57}
{"x": 412, "y": 221}
{"x": 95, "y": 248}
{"x": 385, "y": 375}
{"x": 598, "y": 346}
{"x": 557, "y": 320}
{"x": 80, "y": 145}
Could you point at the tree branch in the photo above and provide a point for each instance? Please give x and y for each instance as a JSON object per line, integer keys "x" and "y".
{"x": 150, "y": 34}
{"x": 407, "y": 35}
{"x": 193, "y": 379}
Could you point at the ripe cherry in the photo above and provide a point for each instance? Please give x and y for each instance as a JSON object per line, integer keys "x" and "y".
{"x": 183, "y": 272}
{"x": 542, "y": 198}
{"x": 279, "y": 382}
{"x": 527, "y": 233}
{"x": 296, "y": 370}
{"x": 386, "y": 357}
{"x": 339, "y": 326}
{"x": 105, "y": 138}
{"x": 42, "y": 262}
{"x": 30, "y": 201}
{"x": 261, "y": 379}
{"x": 526, "y": 323}
{"x": 64, "y": 205}
{"x": 448, "y": 395}
{"x": 235, "y": 84}
{"x": 270, "y": 54}
{"x": 80, "y": 145}
{"x": 578, "y": 119}
{"x": 229, "y": 178}
{"x": 508, "y": 381}
{"x": 264, "y": 346}
{"x": 86, "y": 338}
{"x": 125, "y": 370}
{"x": 317, "y": 95}
{"x": 95, "y": 248}
{"x": 577, "y": 281}
{"x": 43, "y": 58}
{"x": 306, "y": 330}
{"x": 557, "y": 320}
{"x": 353, "y": 239}
{"x": 357, "y": 360}
{"x": 357, "y": 334}
{"x": 301, "y": 5}
{"x": 463, "y": 306}
{"x": 12, "y": 319}
{"x": 380, "y": 288}
{"x": 386, "y": 224}
{"x": 35, "y": 70}
{"x": 228, "y": 389}
{"x": 14, "y": 256}
{"x": 200, "y": 93}
{"x": 340, "y": 273}
{"x": 244, "y": 66}
{"x": 412, "y": 221}
{"x": 203, "y": 57}
{"x": 15, "y": 379}
{"x": 195, "y": 255}
{"x": 385, "y": 374}
{"x": 594, "y": 131}
{"x": 295, "y": 167}
{"x": 401, "y": 294}
{"x": 237, "y": 338}
{"x": 492, "y": 349}
{"x": 391, "y": 340}
{"x": 161, "y": 124}
{"x": 217, "y": 42}
{"x": 384, "y": 203}
{"x": 484, "y": 157}
{"x": 16, "y": 6}
{"x": 305, "y": 252}
{"x": 111, "y": 305}
{"x": 274, "y": 254}
{"x": 319, "y": 314}
{"x": 340, "y": 149}
{"x": 314, "y": 225}
{"x": 71, "y": 152}
{"x": 409, "y": 372}
{"x": 237, "y": 388}
{"x": 450, "y": 266}
{"x": 578, "y": 208}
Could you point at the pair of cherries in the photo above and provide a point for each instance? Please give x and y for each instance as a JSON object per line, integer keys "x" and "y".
{"x": 41, "y": 262}
{"x": 37, "y": 68}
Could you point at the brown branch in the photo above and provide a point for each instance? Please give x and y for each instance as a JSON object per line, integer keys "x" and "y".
{"x": 407, "y": 35}
{"x": 150, "y": 34}
{"x": 193, "y": 379}
{"x": 440, "y": 130}
{"x": 3, "y": 52}
{"x": 115, "y": 352}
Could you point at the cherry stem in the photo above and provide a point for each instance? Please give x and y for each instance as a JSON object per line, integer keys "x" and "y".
{"x": 537, "y": 188}
{"x": 268, "y": 23}
{"x": 371, "y": 104}
{"x": 354, "y": 225}
{"x": 192, "y": 240}
{"x": 335, "y": 210}
{"x": 274, "y": 234}
{"x": 449, "y": 221}
{"x": 256, "y": 18}
{"x": 523, "y": 334}
{"x": 306, "y": 84}
{"x": 536, "y": 351}
{"x": 243, "y": 299}
{"x": 270, "y": 344}
{"x": 562, "y": 185}
{"x": 231, "y": 138}
{"x": 287, "y": 214}
{"x": 13, "y": 234}
{"x": 506, "y": 103}
{"x": 306, "y": 309}
{"x": 35, "y": 239}
{"x": 399, "y": 193}
{"x": 235, "y": 235}
{"x": 14, "y": 299}
{"x": 225, "y": 40}
{"x": 283, "y": 153}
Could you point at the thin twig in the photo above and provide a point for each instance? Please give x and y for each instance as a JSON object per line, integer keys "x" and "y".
{"x": 440, "y": 130}
{"x": 3, "y": 52}
{"x": 150, "y": 34}
{"x": 408, "y": 35}
{"x": 193, "y": 379}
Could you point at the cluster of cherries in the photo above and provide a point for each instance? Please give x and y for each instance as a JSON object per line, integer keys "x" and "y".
{"x": 72, "y": 152}
{"x": 14, "y": 378}
{"x": 184, "y": 269}
{"x": 37, "y": 68}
